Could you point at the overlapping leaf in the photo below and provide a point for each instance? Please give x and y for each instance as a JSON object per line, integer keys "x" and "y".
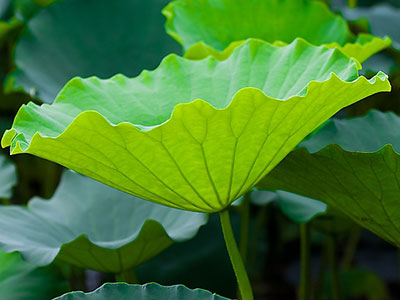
{"x": 150, "y": 291}
{"x": 8, "y": 177}
{"x": 20, "y": 280}
{"x": 84, "y": 38}
{"x": 207, "y": 27}
{"x": 383, "y": 20}
{"x": 93, "y": 226}
{"x": 149, "y": 136}
{"x": 357, "y": 173}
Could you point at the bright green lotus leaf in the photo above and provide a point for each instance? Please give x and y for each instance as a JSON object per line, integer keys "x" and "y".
{"x": 85, "y": 38}
{"x": 217, "y": 27}
{"x": 8, "y": 177}
{"x": 150, "y": 291}
{"x": 359, "y": 178}
{"x": 20, "y": 280}
{"x": 93, "y": 226}
{"x": 193, "y": 135}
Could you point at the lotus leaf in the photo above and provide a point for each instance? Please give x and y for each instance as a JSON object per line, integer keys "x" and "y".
{"x": 209, "y": 27}
{"x": 47, "y": 54}
{"x": 193, "y": 135}
{"x": 93, "y": 226}
{"x": 20, "y": 280}
{"x": 150, "y": 291}
{"x": 8, "y": 177}
{"x": 300, "y": 209}
{"x": 352, "y": 165}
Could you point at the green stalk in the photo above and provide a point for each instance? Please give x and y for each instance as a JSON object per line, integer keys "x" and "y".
{"x": 321, "y": 273}
{"x": 334, "y": 268}
{"x": 244, "y": 227}
{"x": 305, "y": 252}
{"x": 236, "y": 260}
{"x": 352, "y": 3}
{"x": 127, "y": 276}
{"x": 259, "y": 225}
{"x": 351, "y": 248}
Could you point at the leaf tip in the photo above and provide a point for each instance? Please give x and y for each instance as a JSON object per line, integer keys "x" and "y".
{"x": 8, "y": 137}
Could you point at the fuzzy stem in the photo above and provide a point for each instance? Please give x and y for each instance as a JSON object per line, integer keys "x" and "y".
{"x": 351, "y": 248}
{"x": 305, "y": 252}
{"x": 127, "y": 276}
{"x": 352, "y": 3}
{"x": 236, "y": 260}
{"x": 244, "y": 227}
{"x": 334, "y": 268}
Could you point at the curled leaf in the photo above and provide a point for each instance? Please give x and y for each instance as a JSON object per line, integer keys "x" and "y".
{"x": 193, "y": 135}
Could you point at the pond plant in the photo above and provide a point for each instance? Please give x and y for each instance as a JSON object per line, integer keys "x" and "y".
{"x": 246, "y": 108}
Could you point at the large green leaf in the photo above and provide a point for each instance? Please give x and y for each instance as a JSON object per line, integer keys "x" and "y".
{"x": 359, "y": 177}
{"x": 92, "y": 37}
{"x": 93, "y": 226}
{"x": 20, "y": 280}
{"x": 8, "y": 177}
{"x": 150, "y": 291}
{"x": 202, "y": 26}
{"x": 193, "y": 134}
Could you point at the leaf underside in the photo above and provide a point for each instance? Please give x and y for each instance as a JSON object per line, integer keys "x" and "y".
{"x": 208, "y": 152}
{"x": 109, "y": 231}
{"x": 214, "y": 27}
{"x": 353, "y": 174}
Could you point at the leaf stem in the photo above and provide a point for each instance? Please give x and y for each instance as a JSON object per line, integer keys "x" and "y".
{"x": 305, "y": 261}
{"x": 352, "y": 3}
{"x": 127, "y": 276}
{"x": 334, "y": 268}
{"x": 244, "y": 227}
{"x": 351, "y": 248}
{"x": 236, "y": 260}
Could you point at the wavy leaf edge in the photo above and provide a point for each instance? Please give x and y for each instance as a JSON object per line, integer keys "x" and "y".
{"x": 114, "y": 245}
{"x": 201, "y": 50}
{"x": 143, "y": 286}
{"x": 13, "y": 139}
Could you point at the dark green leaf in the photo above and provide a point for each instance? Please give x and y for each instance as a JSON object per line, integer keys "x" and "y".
{"x": 150, "y": 291}
{"x": 352, "y": 172}
{"x": 91, "y": 37}
{"x": 20, "y": 280}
